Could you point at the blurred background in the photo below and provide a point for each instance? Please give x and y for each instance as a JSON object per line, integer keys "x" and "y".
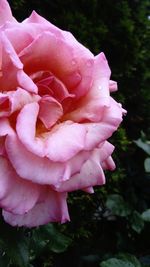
{"x": 111, "y": 227}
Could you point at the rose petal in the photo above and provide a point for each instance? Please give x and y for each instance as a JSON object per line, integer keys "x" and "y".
{"x": 12, "y": 101}
{"x": 71, "y": 66}
{"x": 16, "y": 194}
{"x": 26, "y": 129}
{"x": 65, "y": 141}
{"x": 52, "y": 208}
{"x": 5, "y": 127}
{"x": 113, "y": 86}
{"x": 12, "y": 69}
{"x": 32, "y": 167}
{"x": 92, "y": 105}
{"x": 50, "y": 111}
{"x": 90, "y": 173}
{"x": 5, "y": 12}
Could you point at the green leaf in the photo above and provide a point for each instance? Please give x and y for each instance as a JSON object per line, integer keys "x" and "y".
{"x": 137, "y": 222}
{"x": 117, "y": 205}
{"x": 55, "y": 241}
{"x": 116, "y": 263}
{"x": 147, "y": 164}
{"x": 15, "y": 244}
{"x": 122, "y": 260}
{"x": 4, "y": 260}
{"x": 143, "y": 145}
{"x": 146, "y": 215}
{"x": 129, "y": 257}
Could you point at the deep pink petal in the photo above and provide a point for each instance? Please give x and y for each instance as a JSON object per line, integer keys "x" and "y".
{"x": 32, "y": 167}
{"x": 16, "y": 195}
{"x": 50, "y": 111}
{"x": 52, "y": 209}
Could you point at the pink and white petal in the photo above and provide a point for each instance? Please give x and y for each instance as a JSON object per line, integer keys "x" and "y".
{"x": 74, "y": 68}
{"x": 65, "y": 141}
{"x": 16, "y": 195}
{"x": 32, "y": 167}
{"x": 52, "y": 209}
{"x": 26, "y": 129}
{"x": 50, "y": 111}
{"x": 5, "y": 12}
{"x": 12, "y": 69}
{"x": 91, "y": 174}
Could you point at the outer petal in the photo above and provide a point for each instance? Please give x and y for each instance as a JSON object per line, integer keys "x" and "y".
{"x": 16, "y": 194}
{"x": 113, "y": 86}
{"x": 12, "y": 69}
{"x": 32, "y": 167}
{"x": 72, "y": 66}
{"x": 52, "y": 208}
{"x": 5, "y": 12}
{"x": 90, "y": 173}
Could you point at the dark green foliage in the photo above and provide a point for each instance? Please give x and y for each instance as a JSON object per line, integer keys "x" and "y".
{"x": 111, "y": 227}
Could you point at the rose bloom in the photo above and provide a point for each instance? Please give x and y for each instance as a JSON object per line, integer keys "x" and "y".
{"x": 56, "y": 115}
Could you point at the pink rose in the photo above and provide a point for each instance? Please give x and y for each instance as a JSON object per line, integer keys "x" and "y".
{"x": 56, "y": 115}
